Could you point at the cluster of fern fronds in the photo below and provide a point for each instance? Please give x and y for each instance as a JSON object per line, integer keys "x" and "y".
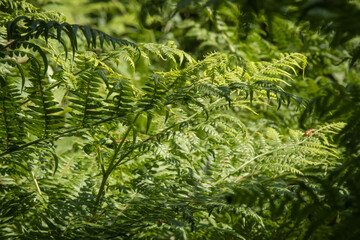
{"x": 138, "y": 141}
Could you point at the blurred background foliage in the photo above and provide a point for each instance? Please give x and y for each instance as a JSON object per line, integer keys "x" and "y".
{"x": 259, "y": 173}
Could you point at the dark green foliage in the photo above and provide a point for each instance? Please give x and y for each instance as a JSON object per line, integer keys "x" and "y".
{"x": 85, "y": 103}
{"x": 41, "y": 116}
{"x": 113, "y": 144}
{"x": 336, "y": 102}
{"x": 10, "y": 103}
{"x": 120, "y": 97}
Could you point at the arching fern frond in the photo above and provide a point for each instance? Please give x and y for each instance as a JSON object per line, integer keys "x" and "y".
{"x": 218, "y": 75}
{"x": 14, "y": 63}
{"x": 39, "y": 28}
{"x": 284, "y": 66}
{"x": 31, "y": 46}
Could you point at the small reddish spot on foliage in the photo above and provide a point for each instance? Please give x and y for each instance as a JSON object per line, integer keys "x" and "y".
{"x": 308, "y": 132}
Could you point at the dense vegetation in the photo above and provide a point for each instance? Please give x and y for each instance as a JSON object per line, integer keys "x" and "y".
{"x": 185, "y": 119}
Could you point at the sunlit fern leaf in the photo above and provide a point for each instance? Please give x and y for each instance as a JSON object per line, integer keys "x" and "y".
{"x": 303, "y": 152}
{"x": 168, "y": 51}
{"x": 278, "y": 67}
{"x": 271, "y": 133}
{"x": 126, "y": 54}
{"x": 18, "y": 6}
{"x": 216, "y": 71}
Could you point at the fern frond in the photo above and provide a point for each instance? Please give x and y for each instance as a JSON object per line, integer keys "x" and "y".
{"x": 42, "y": 118}
{"x": 85, "y": 100}
{"x": 206, "y": 89}
{"x": 40, "y": 28}
{"x": 14, "y": 63}
{"x": 126, "y": 54}
{"x": 167, "y": 51}
{"x": 218, "y": 75}
{"x": 17, "y": 8}
{"x": 12, "y": 133}
{"x": 276, "y": 157}
{"x": 230, "y": 121}
{"x": 264, "y": 70}
{"x": 120, "y": 98}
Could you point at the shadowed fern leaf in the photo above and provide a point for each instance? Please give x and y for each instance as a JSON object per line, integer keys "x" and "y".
{"x": 41, "y": 114}
{"x": 11, "y": 132}
{"x": 85, "y": 100}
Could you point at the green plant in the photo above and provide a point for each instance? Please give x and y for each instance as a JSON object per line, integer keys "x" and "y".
{"x": 145, "y": 141}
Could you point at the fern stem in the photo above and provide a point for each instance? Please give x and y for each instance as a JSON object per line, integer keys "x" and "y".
{"x": 117, "y": 150}
{"x": 106, "y": 175}
{"x": 100, "y": 160}
{"x": 35, "y": 182}
{"x": 83, "y": 122}
{"x": 101, "y": 192}
{"x": 121, "y": 158}
{"x": 113, "y": 164}
{"x": 23, "y": 146}
{"x": 46, "y": 119}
